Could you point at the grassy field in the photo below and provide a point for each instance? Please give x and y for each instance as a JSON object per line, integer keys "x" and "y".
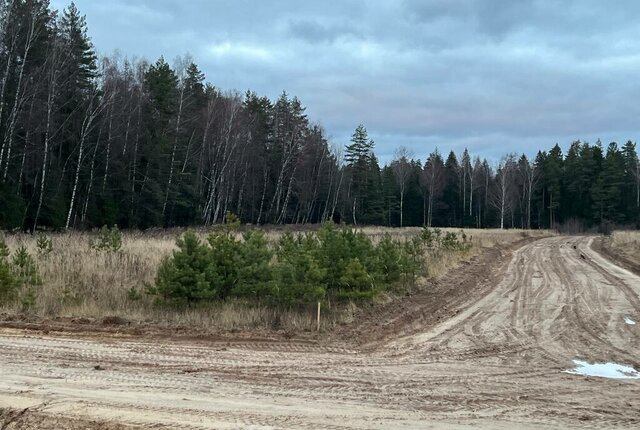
{"x": 81, "y": 282}
{"x": 626, "y": 243}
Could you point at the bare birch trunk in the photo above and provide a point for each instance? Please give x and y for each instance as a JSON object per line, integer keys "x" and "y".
{"x": 108, "y": 154}
{"x": 264, "y": 192}
{"x": 173, "y": 152}
{"x": 91, "y": 170}
{"x": 87, "y": 122}
{"x": 8, "y": 138}
{"x": 47, "y": 132}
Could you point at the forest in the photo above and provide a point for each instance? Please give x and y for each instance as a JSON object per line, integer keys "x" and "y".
{"x": 87, "y": 141}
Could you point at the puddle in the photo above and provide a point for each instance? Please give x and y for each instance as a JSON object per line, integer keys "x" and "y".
{"x": 629, "y": 321}
{"x": 604, "y": 370}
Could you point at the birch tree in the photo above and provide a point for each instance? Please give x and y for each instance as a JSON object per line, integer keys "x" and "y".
{"x": 402, "y": 170}
{"x": 433, "y": 181}
{"x": 502, "y": 198}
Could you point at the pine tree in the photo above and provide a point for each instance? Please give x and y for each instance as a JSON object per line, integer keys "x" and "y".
{"x": 361, "y": 165}
{"x": 371, "y": 197}
{"x": 613, "y": 178}
{"x": 82, "y": 62}
{"x": 452, "y": 190}
{"x": 160, "y": 84}
{"x": 553, "y": 182}
{"x": 631, "y": 191}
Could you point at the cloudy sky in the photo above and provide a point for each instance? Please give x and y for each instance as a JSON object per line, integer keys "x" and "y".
{"x": 491, "y": 75}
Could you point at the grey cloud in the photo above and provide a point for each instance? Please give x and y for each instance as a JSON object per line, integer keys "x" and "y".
{"x": 494, "y": 75}
{"x": 491, "y": 17}
{"x": 313, "y": 31}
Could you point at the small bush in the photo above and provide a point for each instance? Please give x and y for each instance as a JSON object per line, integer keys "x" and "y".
{"x": 254, "y": 272}
{"x": 109, "y": 240}
{"x": 133, "y": 294}
{"x": 356, "y": 277}
{"x": 298, "y": 278}
{"x": 28, "y": 299}
{"x": 187, "y": 275}
{"x": 9, "y": 281}
{"x": 25, "y": 267}
{"x": 44, "y": 244}
{"x": 433, "y": 239}
{"x": 336, "y": 250}
{"x": 389, "y": 253}
{"x": 20, "y": 271}
{"x": 333, "y": 263}
{"x": 231, "y": 222}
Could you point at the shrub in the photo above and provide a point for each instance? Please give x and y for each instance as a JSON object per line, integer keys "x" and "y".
{"x": 133, "y": 294}
{"x": 20, "y": 271}
{"x": 109, "y": 240}
{"x": 231, "y": 222}
{"x": 336, "y": 250}
{"x": 355, "y": 277}
{"x": 412, "y": 258}
{"x": 335, "y": 263}
{"x": 298, "y": 278}
{"x": 9, "y": 282}
{"x": 224, "y": 263}
{"x": 218, "y": 268}
{"x": 433, "y": 239}
{"x": 450, "y": 242}
{"x": 254, "y": 273}
{"x": 44, "y": 244}
{"x": 28, "y": 299}
{"x": 187, "y": 275}
{"x": 25, "y": 267}
{"x": 390, "y": 261}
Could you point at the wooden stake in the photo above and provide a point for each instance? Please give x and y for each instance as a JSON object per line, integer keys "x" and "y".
{"x": 318, "y": 327}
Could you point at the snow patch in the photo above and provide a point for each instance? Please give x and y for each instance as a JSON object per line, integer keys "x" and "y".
{"x": 604, "y": 370}
{"x": 629, "y": 321}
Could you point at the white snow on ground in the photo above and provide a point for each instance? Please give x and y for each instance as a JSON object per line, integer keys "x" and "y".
{"x": 604, "y": 370}
{"x": 629, "y": 321}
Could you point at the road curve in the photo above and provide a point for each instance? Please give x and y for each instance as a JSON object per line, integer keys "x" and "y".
{"x": 499, "y": 363}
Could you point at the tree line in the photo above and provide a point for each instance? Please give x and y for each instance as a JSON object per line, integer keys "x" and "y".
{"x": 88, "y": 141}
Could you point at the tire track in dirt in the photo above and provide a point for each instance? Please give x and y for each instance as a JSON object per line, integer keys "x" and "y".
{"x": 496, "y": 363}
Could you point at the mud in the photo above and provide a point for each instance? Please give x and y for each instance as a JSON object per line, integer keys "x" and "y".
{"x": 496, "y": 359}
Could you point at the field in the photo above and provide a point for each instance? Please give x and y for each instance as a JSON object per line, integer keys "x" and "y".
{"x": 627, "y": 243}
{"x": 79, "y": 282}
{"x": 491, "y": 339}
{"x": 623, "y": 247}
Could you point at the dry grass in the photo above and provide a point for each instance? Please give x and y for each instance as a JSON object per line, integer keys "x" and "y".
{"x": 627, "y": 243}
{"x": 479, "y": 238}
{"x": 82, "y": 282}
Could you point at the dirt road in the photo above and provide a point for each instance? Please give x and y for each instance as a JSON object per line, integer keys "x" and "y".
{"x": 498, "y": 363}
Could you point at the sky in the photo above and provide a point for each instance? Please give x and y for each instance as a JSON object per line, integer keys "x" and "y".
{"x": 493, "y": 76}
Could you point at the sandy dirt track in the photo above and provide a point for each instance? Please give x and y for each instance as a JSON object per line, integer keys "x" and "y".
{"x": 498, "y": 363}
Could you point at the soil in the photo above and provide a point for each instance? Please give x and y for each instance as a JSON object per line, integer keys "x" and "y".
{"x": 487, "y": 347}
{"x": 628, "y": 262}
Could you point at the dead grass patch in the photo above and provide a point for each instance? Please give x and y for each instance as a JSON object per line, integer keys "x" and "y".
{"x": 626, "y": 243}
{"x": 82, "y": 282}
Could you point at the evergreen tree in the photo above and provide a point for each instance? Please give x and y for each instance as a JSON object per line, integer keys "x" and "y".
{"x": 613, "y": 178}
{"x": 452, "y": 196}
{"x": 552, "y": 173}
{"x": 82, "y": 59}
{"x": 391, "y": 205}
{"x": 362, "y": 165}
{"x": 631, "y": 190}
{"x": 161, "y": 88}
